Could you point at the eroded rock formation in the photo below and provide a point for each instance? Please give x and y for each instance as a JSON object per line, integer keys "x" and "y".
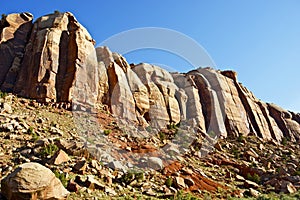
{"x": 54, "y": 59}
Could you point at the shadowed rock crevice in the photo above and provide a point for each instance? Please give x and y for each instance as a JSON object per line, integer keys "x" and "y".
{"x": 249, "y": 110}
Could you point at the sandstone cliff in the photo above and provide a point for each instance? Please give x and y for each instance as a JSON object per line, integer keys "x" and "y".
{"x": 54, "y": 60}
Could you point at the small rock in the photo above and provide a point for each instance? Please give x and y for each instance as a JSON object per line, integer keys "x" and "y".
{"x": 93, "y": 184}
{"x": 110, "y": 191}
{"x": 155, "y": 163}
{"x": 179, "y": 182}
{"x": 189, "y": 182}
{"x": 261, "y": 147}
{"x": 117, "y": 165}
{"x": 80, "y": 167}
{"x": 254, "y": 192}
{"x": 25, "y": 152}
{"x": 250, "y": 184}
{"x": 95, "y": 165}
{"x": 285, "y": 186}
{"x": 6, "y": 108}
{"x": 239, "y": 178}
{"x": 73, "y": 187}
{"x": 187, "y": 171}
{"x": 172, "y": 149}
{"x": 56, "y": 131}
{"x": 150, "y": 192}
{"x": 59, "y": 158}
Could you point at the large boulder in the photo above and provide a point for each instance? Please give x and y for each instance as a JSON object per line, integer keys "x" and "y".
{"x": 32, "y": 181}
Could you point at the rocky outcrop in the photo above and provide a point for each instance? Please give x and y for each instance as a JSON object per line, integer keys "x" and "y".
{"x": 15, "y": 30}
{"x": 32, "y": 181}
{"x": 59, "y": 61}
{"x": 54, "y": 59}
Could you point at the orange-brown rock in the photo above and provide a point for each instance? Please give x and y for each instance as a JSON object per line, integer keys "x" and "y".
{"x": 60, "y": 53}
{"x": 54, "y": 59}
{"x": 14, "y": 32}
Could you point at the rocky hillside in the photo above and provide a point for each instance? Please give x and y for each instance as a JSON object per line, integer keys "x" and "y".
{"x": 54, "y": 62}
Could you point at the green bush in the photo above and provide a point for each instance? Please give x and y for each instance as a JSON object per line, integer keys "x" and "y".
{"x": 62, "y": 178}
{"x": 3, "y": 94}
{"x": 132, "y": 175}
{"x": 162, "y": 136}
{"x": 284, "y": 141}
{"x": 107, "y": 132}
{"x": 50, "y": 149}
{"x": 169, "y": 182}
{"x": 255, "y": 178}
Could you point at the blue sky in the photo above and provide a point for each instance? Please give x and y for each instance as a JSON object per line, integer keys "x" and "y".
{"x": 258, "y": 39}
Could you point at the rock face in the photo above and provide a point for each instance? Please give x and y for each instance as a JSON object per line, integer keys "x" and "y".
{"x": 32, "y": 181}
{"x": 15, "y": 30}
{"x": 59, "y": 60}
{"x": 54, "y": 59}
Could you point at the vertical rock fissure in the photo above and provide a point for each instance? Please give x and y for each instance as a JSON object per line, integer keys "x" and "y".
{"x": 279, "y": 121}
{"x": 62, "y": 66}
{"x": 268, "y": 120}
{"x": 72, "y": 53}
{"x": 248, "y": 109}
{"x": 204, "y": 99}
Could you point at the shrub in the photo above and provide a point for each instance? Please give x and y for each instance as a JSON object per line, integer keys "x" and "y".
{"x": 50, "y": 149}
{"x": 162, "y": 136}
{"x": 284, "y": 141}
{"x": 169, "y": 182}
{"x": 3, "y": 94}
{"x": 107, "y": 132}
{"x": 132, "y": 175}
{"x": 62, "y": 178}
{"x": 255, "y": 178}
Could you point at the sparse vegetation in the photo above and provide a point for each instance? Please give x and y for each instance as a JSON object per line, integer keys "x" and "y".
{"x": 132, "y": 175}
{"x": 49, "y": 150}
{"x": 169, "y": 182}
{"x": 241, "y": 138}
{"x": 162, "y": 136}
{"x": 106, "y": 132}
{"x": 3, "y": 94}
{"x": 284, "y": 141}
{"x": 181, "y": 195}
{"x": 255, "y": 178}
{"x": 62, "y": 178}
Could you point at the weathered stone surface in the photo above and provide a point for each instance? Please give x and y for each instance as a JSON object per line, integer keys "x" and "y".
{"x": 289, "y": 127}
{"x": 59, "y": 157}
{"x": 121, "y": 99}
{"x": 164, "y": 108}
{"x": 32, "y": 181}
{"x": 189, "y": 99}
{"x": 59, "y": 55}
{"x": 155, "y": 163}
{"x": 14, "y": 32}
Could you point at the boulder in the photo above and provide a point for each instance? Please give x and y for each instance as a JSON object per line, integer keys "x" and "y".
{"x": 155, "y": 163}
{"x": 32, "y": 181}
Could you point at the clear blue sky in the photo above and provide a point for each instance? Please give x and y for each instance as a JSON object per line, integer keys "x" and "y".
{"x": 258, "y": 39}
